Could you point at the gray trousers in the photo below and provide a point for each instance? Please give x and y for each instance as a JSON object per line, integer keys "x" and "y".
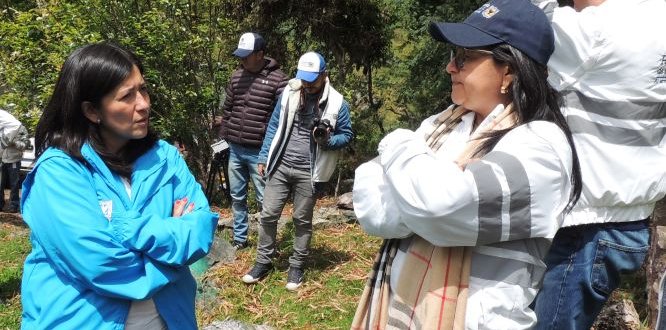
{"x": 276, "y": 193}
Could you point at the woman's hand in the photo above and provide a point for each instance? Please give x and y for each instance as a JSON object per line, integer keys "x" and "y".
{"x": 179, "y": 208}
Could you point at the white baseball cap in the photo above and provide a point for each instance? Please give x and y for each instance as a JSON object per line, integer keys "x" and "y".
{"x": 310, "y": 65}
{"x": 248, "y": 43}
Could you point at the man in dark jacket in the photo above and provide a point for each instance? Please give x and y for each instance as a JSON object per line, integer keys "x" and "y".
{"x": 251, "y": 95}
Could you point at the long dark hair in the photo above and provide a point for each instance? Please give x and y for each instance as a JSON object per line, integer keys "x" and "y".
{"x": 533, "y": 99}
{"x": 89, "y": 73}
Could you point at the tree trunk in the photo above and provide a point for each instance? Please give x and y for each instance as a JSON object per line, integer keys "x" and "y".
{"x": 656, "y": 263}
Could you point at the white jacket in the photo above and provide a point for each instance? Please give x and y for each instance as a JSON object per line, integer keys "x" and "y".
{"x": 508, "y": 205}
{"x": 610, "y": 62}
{"x": 9, "y": 127}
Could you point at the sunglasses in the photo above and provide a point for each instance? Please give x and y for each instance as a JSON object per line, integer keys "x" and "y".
{"x": 461, "y": 54}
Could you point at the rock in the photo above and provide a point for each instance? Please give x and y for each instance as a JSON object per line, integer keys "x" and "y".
{"x": 618, "y": 314}
{"x": 325, "y": 217}
{"x": 235, "y": 325}
{"x": 656, "y": 260}
{"x": 221, "y": 252}
{"x": 345, "y": 201}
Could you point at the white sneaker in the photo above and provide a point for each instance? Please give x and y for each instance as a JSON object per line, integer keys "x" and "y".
{"x": 294, "y": 278}
{"x": 257, "y": 272}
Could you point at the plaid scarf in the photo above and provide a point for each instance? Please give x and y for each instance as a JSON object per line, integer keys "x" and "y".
{"x": 433, "y": 286}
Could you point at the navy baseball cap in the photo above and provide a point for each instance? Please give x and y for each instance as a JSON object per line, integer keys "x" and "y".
{"x": 518, "y": 23}
{"x": 248, "y": 43}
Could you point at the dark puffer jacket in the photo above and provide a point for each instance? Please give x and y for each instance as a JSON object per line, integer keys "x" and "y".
{"x": 249, "y": 103}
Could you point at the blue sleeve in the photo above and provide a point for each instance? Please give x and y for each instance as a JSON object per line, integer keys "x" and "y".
{"x": 60, "y": 205}
{"x": 270, "y": 133}
{"x": 343, "y": 130}
{"x": 175, "y": 241}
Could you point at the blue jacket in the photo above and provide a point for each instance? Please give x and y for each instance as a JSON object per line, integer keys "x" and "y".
{"x": 95, "y": 249}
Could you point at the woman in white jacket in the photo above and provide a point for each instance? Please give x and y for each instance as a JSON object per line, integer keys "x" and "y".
{"x": 493, "y": 173}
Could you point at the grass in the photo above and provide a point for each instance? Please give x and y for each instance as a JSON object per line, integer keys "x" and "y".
{"x": 14, "y": 247}
{"x": 340, "y": 260}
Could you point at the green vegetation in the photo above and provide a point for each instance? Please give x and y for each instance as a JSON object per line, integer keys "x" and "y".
{"x": 334, "y": 279}
{"x": 380, "y": 57}
{"x": 379, "y": 54}
{"x": 14, "y": 247}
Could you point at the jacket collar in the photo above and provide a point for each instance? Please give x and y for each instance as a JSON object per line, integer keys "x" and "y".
{"x": 149, "y": 173}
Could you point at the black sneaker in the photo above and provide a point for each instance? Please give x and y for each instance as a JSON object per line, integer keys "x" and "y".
{"x": 257, "y": 272}
{"x": 294, "y": 278}
{"x": 239, "y": 245}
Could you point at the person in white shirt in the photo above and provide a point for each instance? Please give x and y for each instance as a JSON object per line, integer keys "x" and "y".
{"x": 493, "y": 173}
{"x": 13, "y": 140}
{"x": 610, "y": 64}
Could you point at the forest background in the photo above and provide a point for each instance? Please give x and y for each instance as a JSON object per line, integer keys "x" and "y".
{"x": 379, "y": 56}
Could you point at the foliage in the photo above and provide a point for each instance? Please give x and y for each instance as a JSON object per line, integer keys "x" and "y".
{"x": 14, "y": 247}
{"x": 379, "y": 54}
{"x": 354, "y": 36}
{"x": 185, "y": 47}
{"x": 182, "y": 45}
{"x": 34, "y": 45}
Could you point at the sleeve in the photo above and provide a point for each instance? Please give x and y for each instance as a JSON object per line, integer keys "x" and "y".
{"x": 272, "y": 128}
{"x": 342, "y": 134}
{"x": 174, "y": 241}
{"x": 514, "y": 192}
{"x": 579, "y": 42}
{"x": 374, "y": 204}
{"x": 21, "y": 140}
{"x": 60, "y": 205}
{"x": 9, "y": 127}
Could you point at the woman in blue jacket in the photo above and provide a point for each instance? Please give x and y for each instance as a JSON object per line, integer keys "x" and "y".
{"x": 115, "y": 215}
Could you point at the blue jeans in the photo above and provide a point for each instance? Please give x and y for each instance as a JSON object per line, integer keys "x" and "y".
{"x": 584, "y": 267}
{"x": 242, "y": 168}
{"x": 10, "y": 171}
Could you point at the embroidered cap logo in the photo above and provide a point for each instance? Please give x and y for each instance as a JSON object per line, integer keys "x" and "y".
{"x": 490, "y": 12}
{"x": 309, "y": 65}
{"x": 244, "y": 43}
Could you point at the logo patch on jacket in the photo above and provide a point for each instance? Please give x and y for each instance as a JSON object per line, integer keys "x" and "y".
{"x": 107, "y": 207}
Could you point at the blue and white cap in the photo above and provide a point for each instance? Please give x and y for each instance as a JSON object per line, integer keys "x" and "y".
{"x": 248, "y": 43}
{"x": 310, "y": 65}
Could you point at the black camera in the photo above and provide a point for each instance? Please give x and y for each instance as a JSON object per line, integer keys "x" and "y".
{"x": 321, "y": 129}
